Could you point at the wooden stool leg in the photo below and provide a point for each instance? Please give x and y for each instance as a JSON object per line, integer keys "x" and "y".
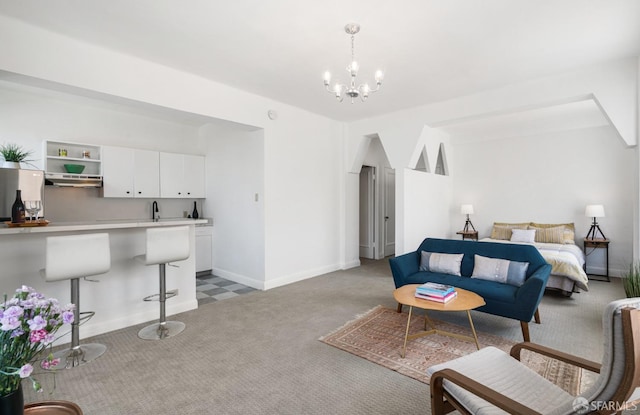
{"x": 399, "y": 309}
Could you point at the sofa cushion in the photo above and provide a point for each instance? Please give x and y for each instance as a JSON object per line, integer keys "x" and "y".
{"x": 438, "y": 262}
{"x": 512, "y": 252}
{"x": 499, "y": 270}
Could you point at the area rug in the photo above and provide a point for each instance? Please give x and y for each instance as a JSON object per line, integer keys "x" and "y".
{"x": 378, "y": 336}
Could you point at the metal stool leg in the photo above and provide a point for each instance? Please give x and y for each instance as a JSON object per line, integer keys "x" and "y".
{"x": 78, "y": 354}
{"x": 163, "y": 328}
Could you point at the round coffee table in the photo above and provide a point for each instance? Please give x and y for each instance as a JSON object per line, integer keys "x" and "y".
{"x": 464, "y": 301}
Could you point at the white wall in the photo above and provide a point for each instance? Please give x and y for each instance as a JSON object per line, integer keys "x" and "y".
{"x": 235, "y": 162}
{"x": 550, "y": 179}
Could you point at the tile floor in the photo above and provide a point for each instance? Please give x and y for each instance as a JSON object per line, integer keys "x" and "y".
{"x": 210, "y": 288}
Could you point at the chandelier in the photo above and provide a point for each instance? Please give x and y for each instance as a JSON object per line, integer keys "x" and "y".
{"x": 353, "y": 91}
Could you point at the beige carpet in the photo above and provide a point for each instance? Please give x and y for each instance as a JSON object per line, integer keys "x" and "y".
{"x": 378, "y": 336}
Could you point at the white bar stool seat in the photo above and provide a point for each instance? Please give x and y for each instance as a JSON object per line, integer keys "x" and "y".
{"x": 164, "y": 245}
{"x": 71, "y": 258}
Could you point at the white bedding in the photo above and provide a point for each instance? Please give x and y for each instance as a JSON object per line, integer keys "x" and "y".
{"x": 566, "y": 260}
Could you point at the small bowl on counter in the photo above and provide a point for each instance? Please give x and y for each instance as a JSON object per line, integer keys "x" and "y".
{"x": 74, "y": 168}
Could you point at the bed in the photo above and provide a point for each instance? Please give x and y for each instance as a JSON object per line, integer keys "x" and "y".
{"x": 556, "y": 243}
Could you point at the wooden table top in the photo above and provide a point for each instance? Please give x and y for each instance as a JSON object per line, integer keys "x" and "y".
{"x": 466, "y": 300}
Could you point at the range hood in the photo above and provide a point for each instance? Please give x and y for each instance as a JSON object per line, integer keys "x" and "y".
{"x": 73, "y": 180}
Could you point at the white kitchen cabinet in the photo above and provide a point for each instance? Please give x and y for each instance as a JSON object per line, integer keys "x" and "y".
{"x": 129, "y": 172}
{"x": 204, "y": 246}
{"x": 182, "y": 176}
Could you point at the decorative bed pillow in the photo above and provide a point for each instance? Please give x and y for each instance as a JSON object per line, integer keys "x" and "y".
{"x": 553, "y": 235}
{"x": 523, "y": 235}
{"x": 499, "y": 270}
{"x": 443, "y": 263}
{"x": 569, "y": 236}
{"x": 503, "y": 230}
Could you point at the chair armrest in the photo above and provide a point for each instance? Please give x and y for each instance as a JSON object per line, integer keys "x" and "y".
{"x": 503, "y": 402}
{"x": 404, "y": 265}
{"x": 556, "y": 354}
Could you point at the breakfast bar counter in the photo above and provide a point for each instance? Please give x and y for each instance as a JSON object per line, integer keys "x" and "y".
{"x": 117, "y": 297}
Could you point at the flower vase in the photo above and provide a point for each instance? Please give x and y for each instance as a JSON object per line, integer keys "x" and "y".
{"x": 13, "y": 403}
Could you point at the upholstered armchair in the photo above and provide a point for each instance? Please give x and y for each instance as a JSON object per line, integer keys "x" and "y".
{"x": 491, "y": 381}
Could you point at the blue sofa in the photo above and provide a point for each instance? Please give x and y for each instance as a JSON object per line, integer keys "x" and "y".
{"x": 519, "y": 303}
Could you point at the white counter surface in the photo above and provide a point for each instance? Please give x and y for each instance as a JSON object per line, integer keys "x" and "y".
{"x": 100, "y": 225}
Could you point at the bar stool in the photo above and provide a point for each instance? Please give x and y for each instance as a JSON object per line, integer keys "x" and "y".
{"x": 164, "y": 245}
{"x": 70, "y": 258}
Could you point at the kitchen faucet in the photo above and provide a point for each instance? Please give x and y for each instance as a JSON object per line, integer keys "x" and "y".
{"x": 155, "y": 215}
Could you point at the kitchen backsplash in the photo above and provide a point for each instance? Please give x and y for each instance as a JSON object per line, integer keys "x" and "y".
{"x": 86, "y": 204}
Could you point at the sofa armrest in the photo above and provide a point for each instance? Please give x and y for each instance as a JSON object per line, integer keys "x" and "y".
{"x": 530, "y": 293}
{"x": 404, "y": 265}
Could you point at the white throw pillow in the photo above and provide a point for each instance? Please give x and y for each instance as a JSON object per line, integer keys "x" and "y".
{"x": 443, "y": 263}
{"x": 499, "y": 270}
{"x": 523, "y": 235}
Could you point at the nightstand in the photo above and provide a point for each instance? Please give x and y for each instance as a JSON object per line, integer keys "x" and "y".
{"x": 473, "y": 235}
{"x": 597, "y": 244}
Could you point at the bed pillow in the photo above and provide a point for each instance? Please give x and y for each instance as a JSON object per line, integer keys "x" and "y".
{"x": 553, "y": 235}
{"x": 499, "y": 270}
{"x": 503, "y": 230}
{"x": 523, "y": 235}
{"x": 443, "y": 263}
{"x": 569, "y": 236}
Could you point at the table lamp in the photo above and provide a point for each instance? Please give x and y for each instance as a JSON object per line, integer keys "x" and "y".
{"x": 467, "y": 210}
{"x": 594, "y": 211}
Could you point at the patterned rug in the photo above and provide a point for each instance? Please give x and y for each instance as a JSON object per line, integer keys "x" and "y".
{"x": 378, "y": 336}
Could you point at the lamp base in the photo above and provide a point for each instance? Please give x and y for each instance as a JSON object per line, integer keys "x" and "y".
{"x": 594, "y": 231}
{"x": 468, "y": 224}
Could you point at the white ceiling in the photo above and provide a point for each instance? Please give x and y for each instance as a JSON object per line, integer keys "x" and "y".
{"x": 430, "y": 50}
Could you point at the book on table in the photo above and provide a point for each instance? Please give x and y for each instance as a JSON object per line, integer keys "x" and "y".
{"x": 439, "y": 299}
{"x": 435, "y": 289}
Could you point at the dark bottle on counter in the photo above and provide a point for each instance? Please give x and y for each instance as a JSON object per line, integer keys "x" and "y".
{"x": 194, "y": 214}
{"x": 17, "y": 210}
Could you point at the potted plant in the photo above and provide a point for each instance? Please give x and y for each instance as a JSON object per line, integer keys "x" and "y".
{"x": 631, "y": 280}
{"x": 13, "y": 155}
{"x": 28, "y": 322}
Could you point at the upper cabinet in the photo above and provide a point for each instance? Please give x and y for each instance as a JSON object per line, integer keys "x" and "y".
{"x": 129, "y": 172}
{"x": 182, "y": 176}
{"x": 59, "y": 153}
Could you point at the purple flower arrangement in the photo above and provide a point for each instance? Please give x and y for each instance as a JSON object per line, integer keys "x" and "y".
{"x": 28, "y": 322}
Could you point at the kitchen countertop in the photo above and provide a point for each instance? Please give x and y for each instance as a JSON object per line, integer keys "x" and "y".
{"x": 101, "y": 225}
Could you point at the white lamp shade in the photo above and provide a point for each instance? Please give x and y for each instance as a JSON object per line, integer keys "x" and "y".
{"x": 594, "y": 211}
{"x": 466, "y": 209}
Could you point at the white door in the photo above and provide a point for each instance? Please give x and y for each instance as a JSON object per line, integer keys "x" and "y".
{"x": 367, "y": 216}
{"x": 389, "y": 211}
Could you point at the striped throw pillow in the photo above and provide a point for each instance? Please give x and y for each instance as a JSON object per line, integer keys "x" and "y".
{"x": 550, "y": 235}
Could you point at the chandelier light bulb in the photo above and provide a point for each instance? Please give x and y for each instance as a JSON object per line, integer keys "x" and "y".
{"x": 327, "y": 77}
{"x": 350, "y": 88}
{"x": 353, "y": 68}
